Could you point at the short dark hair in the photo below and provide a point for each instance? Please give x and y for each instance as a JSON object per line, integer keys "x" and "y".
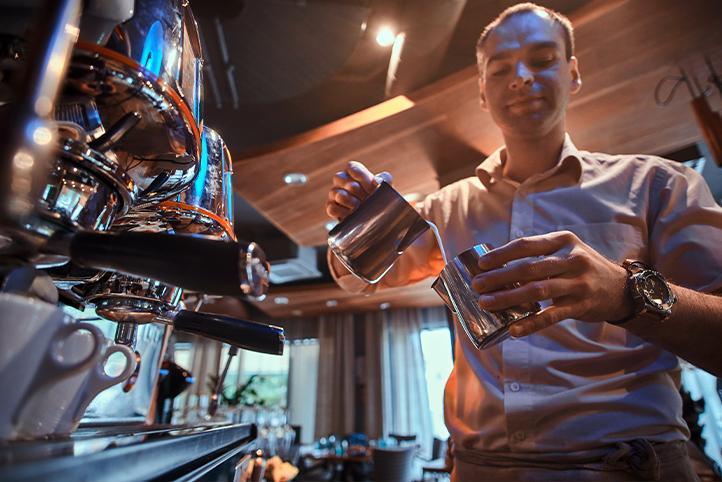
{"x": 559, "y": 19}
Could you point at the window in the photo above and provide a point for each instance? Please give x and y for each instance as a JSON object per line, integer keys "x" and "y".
{"x": 436, "y": 347}
{"x": 271, "y": 376}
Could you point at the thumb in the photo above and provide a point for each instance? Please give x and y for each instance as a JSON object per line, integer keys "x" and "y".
{"x": 383, "y": 176}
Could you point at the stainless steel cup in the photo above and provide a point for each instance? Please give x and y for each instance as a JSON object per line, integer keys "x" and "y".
{"x": 372, "y": 237}
{"x": 484, "y": 328}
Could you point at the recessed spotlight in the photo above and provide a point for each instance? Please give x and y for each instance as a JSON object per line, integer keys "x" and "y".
{"x": 295, "y": 179}
{"x": 296, "y": 312}
{"x": 385, "y": 305}
{"x": 331, "y": 303}
{"x": 280, "y": 300}
{"x": 385, "y": 36}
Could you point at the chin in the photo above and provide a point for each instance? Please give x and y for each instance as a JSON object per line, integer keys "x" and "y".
{"x": 527, "y": 128}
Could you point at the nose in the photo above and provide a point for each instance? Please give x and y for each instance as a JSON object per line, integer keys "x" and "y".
{"x": 523, "y": 77}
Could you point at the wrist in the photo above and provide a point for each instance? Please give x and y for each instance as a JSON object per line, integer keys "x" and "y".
{"x": 647, "y": 291}
{"x": 626, "y": 308}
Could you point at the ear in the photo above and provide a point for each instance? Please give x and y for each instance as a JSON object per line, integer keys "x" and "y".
{"x": 482, "y": 95}
{"x": 575, "y": 75}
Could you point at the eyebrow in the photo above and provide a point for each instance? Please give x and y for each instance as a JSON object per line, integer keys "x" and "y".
{"x": 535, "y": 46}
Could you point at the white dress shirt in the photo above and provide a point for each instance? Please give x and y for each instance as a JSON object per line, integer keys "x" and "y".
{"x": 575, "y": 386}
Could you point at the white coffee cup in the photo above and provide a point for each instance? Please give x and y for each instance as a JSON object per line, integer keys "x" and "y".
{"x": 58, "y": 407}
{"x": 31, "y": 356}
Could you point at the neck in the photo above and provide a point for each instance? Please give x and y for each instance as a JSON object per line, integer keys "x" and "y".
{"x": 526, "y": 156}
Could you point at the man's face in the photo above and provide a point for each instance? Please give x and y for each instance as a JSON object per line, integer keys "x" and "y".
{"x": 526, "y": 78}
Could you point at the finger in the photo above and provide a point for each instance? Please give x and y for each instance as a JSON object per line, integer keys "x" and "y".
{"x": 546, "y": 317}
{"x": 343, "y": 198}
{"x": 360, "y": 173}
{"x": 341, "y": 178}
{"x": 542, "y": 245}
{"x": 529, "y": 269}
{"x": 355, "y": 189}
{"x": 344, "y": 181}
{"x": 528, "y": 293}
{"x": 336, "y": 211}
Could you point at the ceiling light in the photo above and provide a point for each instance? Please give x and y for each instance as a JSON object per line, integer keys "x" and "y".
{"x": 280, "y": 300}
{"x": 331, "y": 303}
{"x": 385, "y": 305}
{"x": 296, "y": 312}
{"x": 295, "y": 179}
{"x": 385, "y": 36}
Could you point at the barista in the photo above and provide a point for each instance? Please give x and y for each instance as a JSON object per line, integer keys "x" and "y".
{"x": 587, "y": 389}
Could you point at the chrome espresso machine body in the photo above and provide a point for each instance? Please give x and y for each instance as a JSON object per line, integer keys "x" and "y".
{"x": 109, "y": 179}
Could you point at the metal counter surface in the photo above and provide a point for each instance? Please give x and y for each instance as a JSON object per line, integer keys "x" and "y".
{"x": 122, "y": 453}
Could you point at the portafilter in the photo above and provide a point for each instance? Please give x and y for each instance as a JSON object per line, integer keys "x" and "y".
{"x": 192, "y": 262}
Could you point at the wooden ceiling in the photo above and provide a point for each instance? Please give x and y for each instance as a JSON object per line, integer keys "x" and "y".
{"x": 438, "y": 134}
{"x": 300, "y": 301}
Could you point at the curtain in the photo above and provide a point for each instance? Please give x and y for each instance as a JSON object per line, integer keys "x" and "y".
{"x": 373, "y": 375}
{"x": 404, "y": 390}
{"x": 335, "y": 401}
{"x": 302, "y": 387}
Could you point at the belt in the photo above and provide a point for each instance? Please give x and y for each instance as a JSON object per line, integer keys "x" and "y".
{"x": 639, "y": 457}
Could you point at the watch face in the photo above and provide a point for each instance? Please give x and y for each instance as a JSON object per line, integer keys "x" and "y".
{"x": 656, "y": 292}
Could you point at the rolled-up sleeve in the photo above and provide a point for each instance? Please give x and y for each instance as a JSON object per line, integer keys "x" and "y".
{"x": 686, "y": 230}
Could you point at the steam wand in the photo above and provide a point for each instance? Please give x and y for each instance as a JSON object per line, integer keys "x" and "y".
{"x": 213, "y": 405}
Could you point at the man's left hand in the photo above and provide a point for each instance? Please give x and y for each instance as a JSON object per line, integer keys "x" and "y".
{"x": 581, "y": 283}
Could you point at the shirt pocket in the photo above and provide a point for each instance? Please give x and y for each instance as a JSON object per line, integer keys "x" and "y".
{"x": 615, "y": 241}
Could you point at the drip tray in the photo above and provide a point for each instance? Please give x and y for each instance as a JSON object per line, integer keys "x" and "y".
{"x": 122, "y": 452}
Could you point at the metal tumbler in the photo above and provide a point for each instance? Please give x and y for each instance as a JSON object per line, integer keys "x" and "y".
{"x": 484, "y": 328}
{"x": 372, "y": 237}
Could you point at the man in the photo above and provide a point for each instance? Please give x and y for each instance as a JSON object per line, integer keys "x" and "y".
{"x": 587, "y": 389}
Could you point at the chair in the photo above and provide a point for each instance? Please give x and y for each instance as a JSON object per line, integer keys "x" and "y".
{"x": 436, "y": 466}
{"x": 393, "y": 464}
{"x": 403, "y": 439}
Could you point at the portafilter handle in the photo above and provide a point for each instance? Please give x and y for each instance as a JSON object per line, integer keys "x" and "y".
{"x": 195, "y": 263}
{"x": 248, "y": 335}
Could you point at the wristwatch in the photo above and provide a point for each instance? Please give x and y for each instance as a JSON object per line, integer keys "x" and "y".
{"x": 650, "y": 292}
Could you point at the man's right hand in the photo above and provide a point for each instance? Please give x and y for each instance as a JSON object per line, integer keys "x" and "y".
{"x": 350, "y": 188}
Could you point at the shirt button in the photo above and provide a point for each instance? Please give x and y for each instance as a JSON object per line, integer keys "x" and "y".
{"x": 515, "y": 387}
{"x": 519, "y": 436}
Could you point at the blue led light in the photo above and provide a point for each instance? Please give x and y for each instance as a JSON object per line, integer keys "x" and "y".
{"x": 152, "y": 56}
{"x": 200, "y": 181}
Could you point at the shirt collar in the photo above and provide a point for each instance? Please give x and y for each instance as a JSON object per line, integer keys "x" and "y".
{"x": 491, "y": 169}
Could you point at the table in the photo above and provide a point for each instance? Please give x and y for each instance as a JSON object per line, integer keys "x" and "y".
{"x": 341, "y": 463}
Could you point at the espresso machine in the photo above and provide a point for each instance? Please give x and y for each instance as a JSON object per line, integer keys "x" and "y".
{"x": 116, "y": 201}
